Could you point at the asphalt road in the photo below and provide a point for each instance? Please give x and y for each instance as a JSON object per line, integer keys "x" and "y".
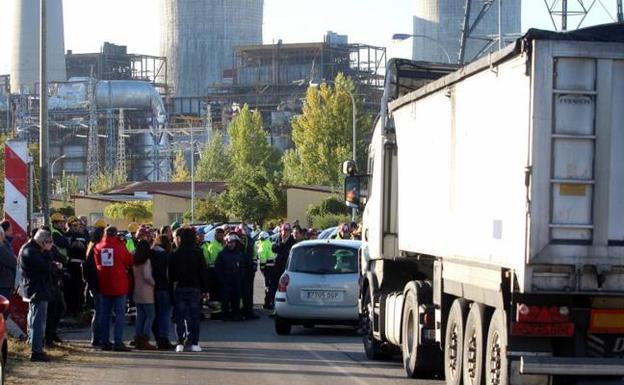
{"x": 246, "y": 353}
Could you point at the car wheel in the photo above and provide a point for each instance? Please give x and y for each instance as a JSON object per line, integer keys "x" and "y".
{"x": 474, "y": 344}
{"x": 282, "y": 327}
{"x": 453, "y": 342}
{"x": 372, "y": 347}
{"x": 496, "y": 363}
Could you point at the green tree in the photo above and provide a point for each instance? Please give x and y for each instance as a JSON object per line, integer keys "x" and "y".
{"x": 214, "y": 162}
{"x": 66, "y": 186}
{"x": 107, "y": 181}
{"x": 180, "y": 171}
{"x": 132, "y": 210}
{"x": 333, "y": 205}
{"x": 252, "y": 193}
{"x": 323, "y": 135}
{"x": 208, "y": 210}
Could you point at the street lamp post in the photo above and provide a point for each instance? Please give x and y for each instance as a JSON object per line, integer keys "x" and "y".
{"x": 354, "y": 121}
{"x": 43, "y": 113}
{"x": 53, "y": 163}
{"x": 405, "y": 36}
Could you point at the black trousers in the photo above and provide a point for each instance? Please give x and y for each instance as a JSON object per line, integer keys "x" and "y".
{"x": 268, "y": 274}
{"x": 247, "y": 285}
{"x": 230, "y": 298}
{"x": 56, "y": 310}
{"x": 74, "y": 287}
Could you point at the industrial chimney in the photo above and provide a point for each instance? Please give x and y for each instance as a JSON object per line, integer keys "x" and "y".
{"x": 198, "y": 39}
{"x": 25, "y": 51}
{"x": 438, "y": 27}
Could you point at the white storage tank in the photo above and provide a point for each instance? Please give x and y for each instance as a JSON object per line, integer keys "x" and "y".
{"x": 441, "y": 22}
{"x": 198, "y": 37}
{"x": 25, "y": 44}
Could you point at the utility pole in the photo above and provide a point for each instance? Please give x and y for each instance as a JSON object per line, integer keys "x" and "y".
{"x": 620, "y": 13}
{"x": 564, "y": 15}
{"x": 43, "y": 113}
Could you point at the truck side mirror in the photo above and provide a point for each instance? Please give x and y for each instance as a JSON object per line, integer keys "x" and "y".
{"x": 352, "y": 191}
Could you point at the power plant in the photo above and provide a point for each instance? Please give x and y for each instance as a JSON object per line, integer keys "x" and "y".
{"x": 199, "y": 36}
{"x": 458, "y": 31}
{"x": 26, "y": 37}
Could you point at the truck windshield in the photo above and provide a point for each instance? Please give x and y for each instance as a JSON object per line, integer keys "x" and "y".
{"x": 323, "y": 259}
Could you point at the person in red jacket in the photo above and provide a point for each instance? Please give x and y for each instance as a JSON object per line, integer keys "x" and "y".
{"x": 112, "y": 261}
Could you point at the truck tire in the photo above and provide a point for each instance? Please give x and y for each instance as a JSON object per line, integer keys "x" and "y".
{"x": 282, "y": 327}
{"x": 418, "y": 359}
{"x": 496, "y": 363}
{"x": 454, "y": 342}
{"x": 372, "y": 347}
{"x": 474, "y": 345}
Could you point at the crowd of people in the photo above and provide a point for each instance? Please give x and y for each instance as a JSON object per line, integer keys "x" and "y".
{"x": 166, "y": 274}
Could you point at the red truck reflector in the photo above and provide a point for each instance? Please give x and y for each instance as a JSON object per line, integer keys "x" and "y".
{"x": 560, "y": 329}
{"x": 606, "y": 321}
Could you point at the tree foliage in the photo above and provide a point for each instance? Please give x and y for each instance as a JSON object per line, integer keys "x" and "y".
{"x": 66, "y": 186}
{"x": 208, "y": 210}
{"x": 253, "y": 176}
{"x": 180, "y": 171}
{"x": 333, "y": 205}
{"x": 214, "y": 162}
{"x": 323, "y": 135}
{"x": 132, "y": 210}
{"x": 107, "y": 181}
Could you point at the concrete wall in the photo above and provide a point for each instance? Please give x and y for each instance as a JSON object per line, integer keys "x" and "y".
{"x": 298, "y": 200}
{"x": 94, "y": 209}
{"x": 167, "y": 206}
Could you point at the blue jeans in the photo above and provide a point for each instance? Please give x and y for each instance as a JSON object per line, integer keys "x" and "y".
{"x": 118, "y": 305}
{"x": 37, "y": 315}
{"x": 163, "y": 314}
{"x": 187, "y": 315}
{"x": 96, "y": 321}
{"x": 144, "y": 320}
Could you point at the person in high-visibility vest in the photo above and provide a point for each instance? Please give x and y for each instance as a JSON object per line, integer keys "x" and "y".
{"x": 131, "y": 241}
{"x": 266, "y": 258}
{"x": 211, "y": 251}
{"x": 58, "y": 234}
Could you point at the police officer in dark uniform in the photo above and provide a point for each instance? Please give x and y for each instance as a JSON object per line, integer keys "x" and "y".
{"x": 228, "y": 268}
{"x": 248, "y": 272}
{"x": 76, "y": 253}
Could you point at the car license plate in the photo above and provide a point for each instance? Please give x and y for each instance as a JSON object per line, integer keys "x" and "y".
{"x": 322, "y": 295}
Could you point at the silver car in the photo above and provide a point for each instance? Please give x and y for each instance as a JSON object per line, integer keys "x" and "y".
{"x": 319, "y": 286}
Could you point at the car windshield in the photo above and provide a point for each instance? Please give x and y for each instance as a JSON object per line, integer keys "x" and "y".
{"x": 323, "y": 259}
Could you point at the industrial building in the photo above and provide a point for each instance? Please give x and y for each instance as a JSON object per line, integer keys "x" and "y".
{"x": 199, "y": 36}
{"x": 460, "y": 31}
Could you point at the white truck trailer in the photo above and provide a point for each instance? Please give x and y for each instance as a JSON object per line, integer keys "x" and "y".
{"x": 493, "y": 227}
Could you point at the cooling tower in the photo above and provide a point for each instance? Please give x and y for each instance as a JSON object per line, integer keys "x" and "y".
{"x": 198, "y": 37}
{"x": 441, "y": 21}
{"x": 25, "y": 51}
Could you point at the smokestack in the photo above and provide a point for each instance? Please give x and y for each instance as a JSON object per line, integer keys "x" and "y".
{"x": 25, "y": 50}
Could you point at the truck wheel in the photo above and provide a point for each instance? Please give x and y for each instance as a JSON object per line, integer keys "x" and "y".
{"x": 454, "y": 342}
{"x": 372, "y": 347}
{"x": 474, "y": 345}
{"x": 282, "y": 327}
{"x": 418, "y": 359}
{"x": 496, "y": 363}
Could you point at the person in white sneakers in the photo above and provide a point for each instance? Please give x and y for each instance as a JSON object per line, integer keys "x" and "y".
{"x": 188, "y": 275}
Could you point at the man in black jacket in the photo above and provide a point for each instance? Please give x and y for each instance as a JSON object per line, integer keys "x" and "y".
{"x": 282, "y": 249}
{"x": 36, "y": 268}
{"x": 229, "y": 267}
{"x": 187, "y": 275}
{"x": 248, "y": 271}
{"x": 8, "y": 266}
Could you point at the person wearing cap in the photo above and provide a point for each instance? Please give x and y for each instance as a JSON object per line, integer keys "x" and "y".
{"x": 112, "y": 262}
{"x": 100, "y": 223}
{"x": 132, "y": 241}
{"x": 73, "y": 283}
{"x": 282, "y": 248}
{"x": 211, "y": 250}
{"x": 36, "y": 268}
{"x": 266, "y": 258}
{"x": 229, "y": 270}
{"x": 58, "y": 234}
{"x": 248, "y": 271}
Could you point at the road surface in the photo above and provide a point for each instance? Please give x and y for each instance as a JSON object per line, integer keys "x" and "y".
{"x": 245, "y": 353}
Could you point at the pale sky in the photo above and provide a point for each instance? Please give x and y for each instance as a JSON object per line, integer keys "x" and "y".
{"x": 135, "y": 23}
